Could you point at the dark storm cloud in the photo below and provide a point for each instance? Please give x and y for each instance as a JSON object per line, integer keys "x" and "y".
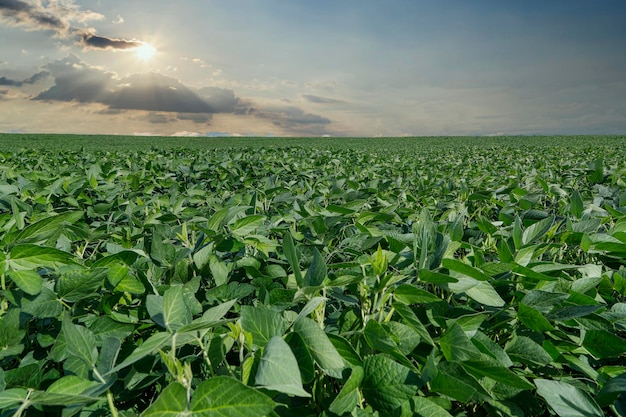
{"x": 32, "y": 80}
{"x": 31, "y": 15}
{"x": 89, "y": 40}
{"x": 320, "y": 100}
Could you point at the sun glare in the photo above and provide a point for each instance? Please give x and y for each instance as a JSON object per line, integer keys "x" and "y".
{"x": 145, "y": 51}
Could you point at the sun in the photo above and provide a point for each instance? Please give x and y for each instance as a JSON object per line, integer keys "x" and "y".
{"x": 145, "y": 52}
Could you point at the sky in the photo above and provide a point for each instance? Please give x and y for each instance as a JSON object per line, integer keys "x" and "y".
{"x": 313, "y": 68}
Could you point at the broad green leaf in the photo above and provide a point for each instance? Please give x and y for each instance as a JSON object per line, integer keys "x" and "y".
{"x": 172, "y": 402}
{"x": 222, "y": 396}
{"x": 603, "y": 344}
{"x": 533, "y": 319}
{"x": 576, "y": 204}
{"x": 310, "y": 306}
{"x": 346, "y": 350}
{"x": 301, "y": 352}
{"x": 321, "y": 348}
{"x": 28, "y": 281}
{"x": 44, "y": 229}
{"x": 278, "y": 369}
{"x": 410, "y": 294}
{"x": 387, "y": 384}
{"x": 536, "y": 230}
{"x": 406, "y": 338}
{"x": 150, "y": 347}
{"x": 263, "y": 323}
{"x": 485, "y": 294}
{"x": 490, "y": 368}
{"x": 71, "y": 385}
{"x": 434, "y": 277}
{"x": 219, "y": 269}
{"x": 465, "y": 269}
{"x": 176, "y": 308}
{"x": 379, "y": 340}
{"x": 247, "y": 225}
{"x": 348, "y": 397}
{"x": 411, "y": 320}
{"x": 12, "y": 397}
{"x": 456, "y": 346}
{"x": 76, "y": 284}
{"x": 80, "y": 341}
{"x": 292, "y": 257}
{"x": 44, "y": 305}
{"x": 451, "y": 380}
{"x": 424, "y": 407}
{"x": 525, "y": 350}
{"x": 32, "y": 257}
{"x": 612, "y": 390}
{"x": 567, "y": 400}
{"x": 317, "y": 271}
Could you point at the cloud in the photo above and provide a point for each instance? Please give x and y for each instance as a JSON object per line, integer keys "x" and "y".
{"x": 160, "y": 118}
{"x": 34, "y": 16}
{"x": 32, "y": 80}
{"x": 291, "y": 116}
{"x": 75, "y": 80}
{"x": 195, "y": 117}
{"x": 92, "y": 41}
{"x": 320, "y": 100}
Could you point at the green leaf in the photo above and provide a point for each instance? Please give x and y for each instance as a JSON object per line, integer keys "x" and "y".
{"x": 379, "y": 262}
{"x": 247, "y": 225}
{"x": 346, "y": 350}
{"x": 612, "y": 390}
{"x": 465, "y": 269}
{"x": 278, "y": 369}
{"x": 12, "y": 397}
{"x": 536, "y": 230}
{"x": 44, "y": 229}
{"x": 76, "y": 284}
{"x": 71, "y": 385}
{"x": 45, "y": 305}
{"x": 533, "y": 319}
{"x": 222, "y": 396}
{"x": 262, "y": 322}
{"x": 487, "y": 367}
{"x": 292, "y": 257}
{"x": 171, "y": 403}
{"x": 150, "y": 347}
{"x": 603, "y": 344}
{"x": 435, "y": 277}
{"x": 424, "y": 407}
{"x": 306, "y": 365}
{"x": 576, "y": 204}
{"x": 567, "y": 400}
{"x": 452, "y": 381}
{"x": 176, "y": 308}
{"x": 525, "y": 350}
{"x": 80, "y": 342}
{"x": 387, "y": 384}
{"x": 317, "y": 271}
{"x": 411, "y": 320}
{"x": 410, "y": 294}
{"x": 456, "y": 346}
{"x": 28, "y": 281}
{"x": 348, "y": 397}
{"x": 32, "y": 257}
{"x": 321, "y": 348}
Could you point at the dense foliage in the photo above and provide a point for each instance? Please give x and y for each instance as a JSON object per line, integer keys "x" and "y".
{"x": 304, "y": 281}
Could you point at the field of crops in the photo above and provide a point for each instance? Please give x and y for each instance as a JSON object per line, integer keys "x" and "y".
{"x": 427, "y": 277}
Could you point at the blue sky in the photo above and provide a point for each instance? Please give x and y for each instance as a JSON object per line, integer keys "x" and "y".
{"x": 303, "y": 68}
